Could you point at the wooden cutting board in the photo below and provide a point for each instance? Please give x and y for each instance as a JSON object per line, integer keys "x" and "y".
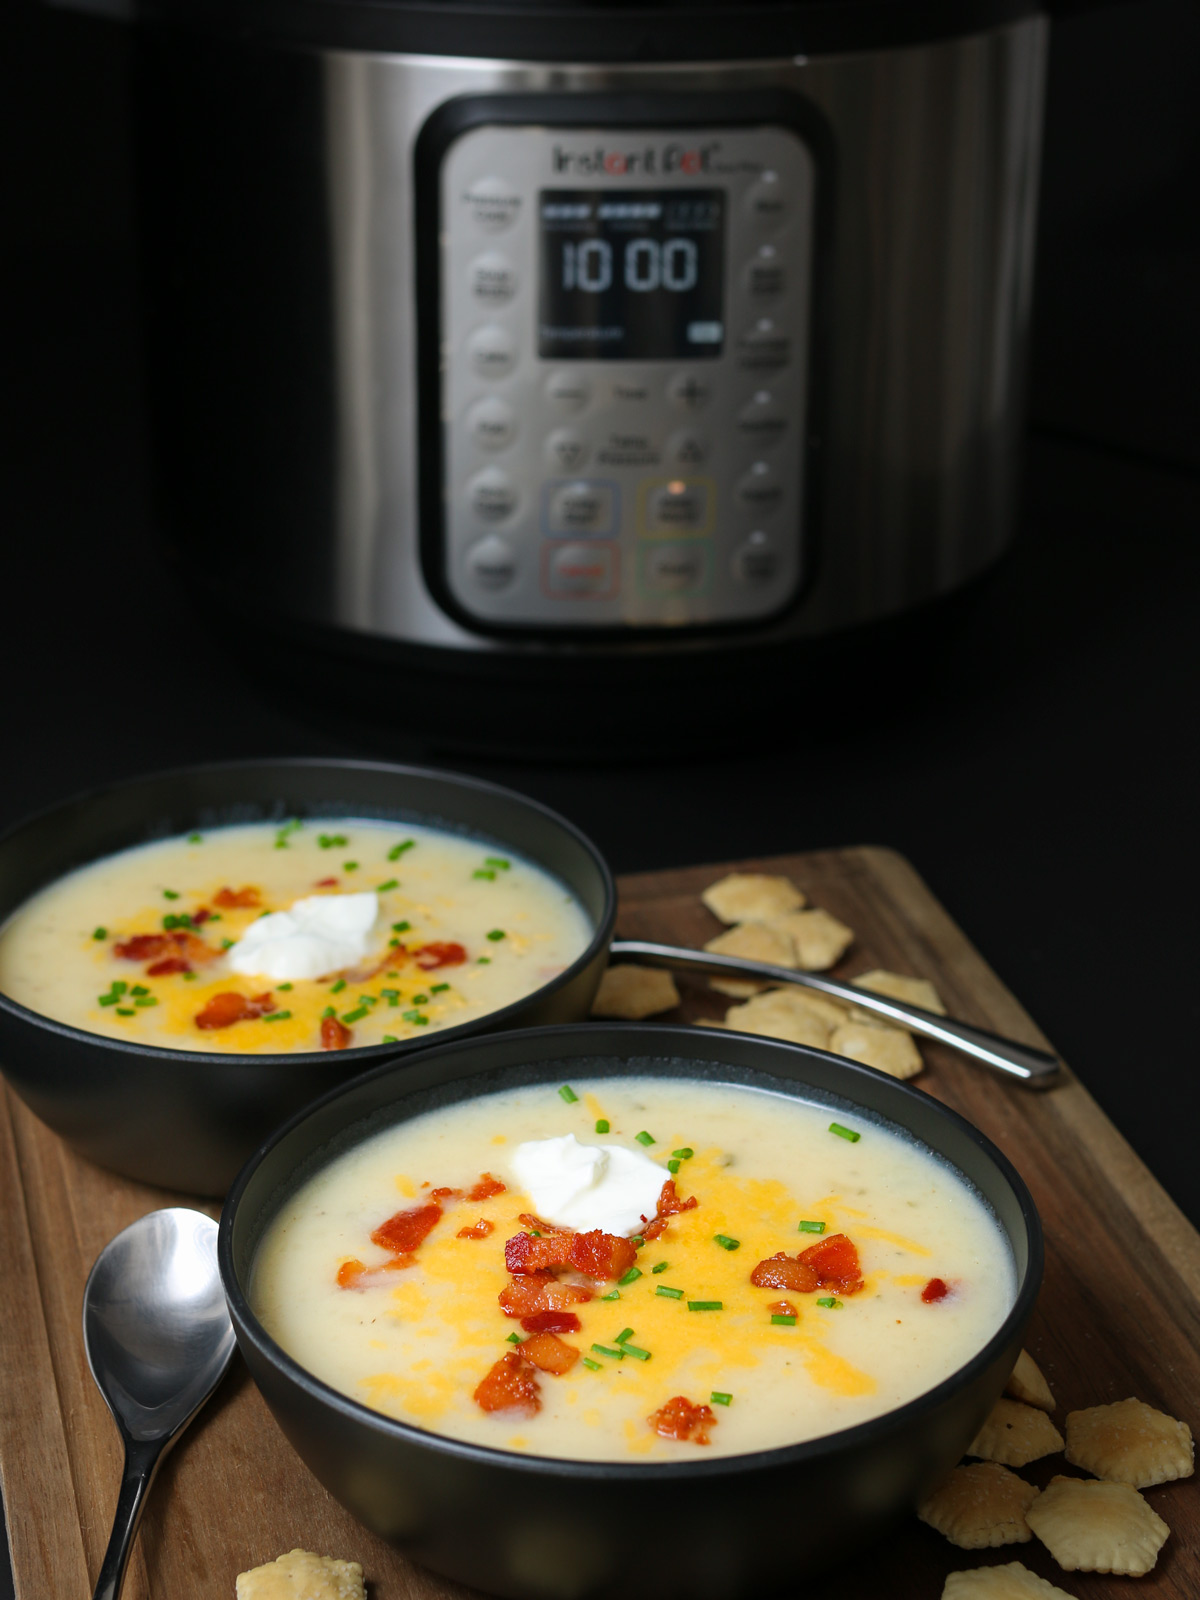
{"x": 1119, "y": 1312}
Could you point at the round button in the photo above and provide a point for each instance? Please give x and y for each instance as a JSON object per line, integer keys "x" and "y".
{"x": 763, "y": 275}
{"x": 582, "y": 569}
{"x": 630, "y": 388}
{"x": 759, "y": 489}
{"x": 492, "y": 562}
{"x": 687, "y": 449}
{"x": 674, "y": 566}
{"x": 688, "y": 392}
{"x": 762, "y": 419}
{"x": 493, "y": 351}
{"x": 678, "y": 505}
{"x": 580, "y": 507}
{"x": 492, "y": 279}
{"x": 566, "y": 449}
{"x": 492, "y": 204}
{"x": 492, "y": 495}
{"x": 492, "y": 423}
{"x": 764, "y": 344}
{"x": 568, "y": 391}
{"x": 757, "y": 561}
{"x": 766, "y": 200}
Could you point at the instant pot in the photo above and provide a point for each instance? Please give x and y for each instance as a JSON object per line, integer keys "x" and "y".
{"x": 514, "y": 362}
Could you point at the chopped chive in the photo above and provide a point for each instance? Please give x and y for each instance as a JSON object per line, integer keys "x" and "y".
{"x": 669, "y": 1294}
{"x": 277, "y": 1016}
{"x": 513, "y": 1338}
{"x": 170, "y": 894}
{"x": 281, "y": 837}
{"x": 534, "y": 1233}
{"x": 393, "y": 999}
{"x": 390, "y": 994}
{"x": 190, "y": 976}
{"x": 637, "y": 1241}
{"x": 285, "y": 986}
{"x": 118, "y": 986}
{"x": 417, "y": 1017}
{"x": 336, "y": 988}
{"x": 139, "y": 988}
{"x": 483, "y": 961}
{"x": 496, "y": 934}
{"x": 417, "y": 999}
{"x": 720, "y": 1398}
{"x": 636, "y": 1352}
{"x": 673, "y": 1166}
{"x": 438, "y": 988}
{"x": 568, "y": 1094}
{"x": 332, "y": 841}
{"x": 706, "y": 1305}
{"x": 146, "y": 1000}
{"x": 830, "y": 1303}
{"x": 126, "y": 1011}
{"x": 329, "y": 1011}
{"x": 844, "y": 1133}
{"x": 349, "y": 866}
{"x": 108, "y": 999}
{"x": 398, "y": 850}
{"x": 497, "y": 861}
{"x": 392, "y": 883}
{"x": 811, "y": 1227}
{"x": 601, "y": 1124}
{"x": 625, "y": 1333}
{"x": 393, "y": 942}
{"x": 684, "y": 1153}
{"x": 781, "y": 1321}
{"x": 195, "y": 838}
{"x": 644, "y": 1137}
{"x": 99, "y": 933}
{"x": 215, "y": 916}
{"x": 631, "y": 1276}
{"x": 390, "y": 1038}
{"x": 726, "y": 1242}
{"x": 614, "y": 1294}
{"x": 357, "y": 1014}
{"x": 401, "y": 927}
{"x": 226, "y": 944}
{"x": 592, "y": 1366}
{"x": 606, "y": 1350}
{"x": 660, "y": 1266}
{"x": 484, "y": 872}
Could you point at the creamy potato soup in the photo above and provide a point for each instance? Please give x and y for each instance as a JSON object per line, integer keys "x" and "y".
{"x": 792, "y": 1272}
{"x": 305, "y": 936}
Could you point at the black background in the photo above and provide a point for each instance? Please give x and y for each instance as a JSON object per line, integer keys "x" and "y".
{"x": 1035, "y": 762}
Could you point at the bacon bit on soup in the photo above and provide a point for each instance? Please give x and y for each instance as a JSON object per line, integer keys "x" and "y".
{"x": 549, "y": 1354}
{"x": 540, "y": 1291}
{"x": 483, "y": 1190}
{"x": 349, "y": 1273}
{"x": 224, "y": 1009}
{"x": 404, "y": 1232}
{"x": 552, "y": 1322}
{"x": 202, "y": 916}
{"x": 479, "y": 1230}
{"x": 438, "y": 954}
{"x": 680, "y": 1419}
{"x": 785, "y": 1272}
{"x": 510, "y": 1386}
{"x": 178, "y": 945}
{"x": 598, "y": 1254}
{"x": 335, "y": 1035}
{"x": 353, "y": 1275}
{"x": 669, "y": 1205}
{"x": 782, "y": 1308}
{"x": 326, "y": 883}
{"x": 935, "y": 1289}
{"x": 163, "y": 969}
{"x": 237, "y": 899}
{"x": 832, "y": 1264}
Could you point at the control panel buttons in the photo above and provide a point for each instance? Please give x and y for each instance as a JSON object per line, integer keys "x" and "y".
{"x": 492, "y": 351}
{"x": 763, "y": 276}
{"x": 671, "y": 568}
{"x": 762, "y": 419}
{"x": 678, "y": 507}
{"x": 630, "y": 389}
{"x": 492, "y": 204}
{"x": 492, "y": 423}
{"x": 757, "y": 561}
{"x": 566, "y": 449}
{"x": 759, "y": 489}
{"x": 568, "y": 391}
{"x": 688, "y": 392}
{"x": 764, "y": 345}
{"x": 580, "y": 571}
{"x": 492, "y": 279}
{"x": 581, "y": 507}
{"x": 627, "y": 448}
{"x": 492, "y": 563}
{"x": 767, "y": 200}
{"x": 492, "y": 495}
{"x": 687, "y": 449}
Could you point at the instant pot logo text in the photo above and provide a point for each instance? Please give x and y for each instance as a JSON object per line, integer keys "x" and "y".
{"x": 655, "y": 160}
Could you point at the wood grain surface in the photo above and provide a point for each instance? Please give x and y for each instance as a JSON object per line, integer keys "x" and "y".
{"x": 1119, "y": 1312}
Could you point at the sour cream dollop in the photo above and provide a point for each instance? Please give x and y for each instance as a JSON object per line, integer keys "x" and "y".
{"x": 587, "y": 1186}
{"x": 319, "y": 934}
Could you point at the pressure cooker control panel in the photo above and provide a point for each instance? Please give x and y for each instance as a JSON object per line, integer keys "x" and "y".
{"x": 624, "y": 359}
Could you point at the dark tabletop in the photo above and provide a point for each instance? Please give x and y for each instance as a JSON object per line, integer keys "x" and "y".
{"x": 1035, "y": 763}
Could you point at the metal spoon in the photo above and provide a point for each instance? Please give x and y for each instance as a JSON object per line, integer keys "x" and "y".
{"x": 1033, "y": 1068}
{"x": 158, "y": 1340}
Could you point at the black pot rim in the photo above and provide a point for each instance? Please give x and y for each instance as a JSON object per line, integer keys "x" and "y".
{"x": 779, "y": 1458}
{"x": 379, "y": 1053}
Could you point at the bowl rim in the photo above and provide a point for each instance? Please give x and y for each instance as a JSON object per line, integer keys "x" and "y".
{"x": 380, "y": 1053}
{"x": 778, "y": 1457}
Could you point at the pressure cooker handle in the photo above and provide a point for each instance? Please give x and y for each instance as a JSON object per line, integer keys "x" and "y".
{"x": 1035, "y": 1069}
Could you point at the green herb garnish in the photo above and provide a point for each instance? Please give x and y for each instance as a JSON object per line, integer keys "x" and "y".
{"x": 568, "y": 1094}
{"x": 284, "y": 833}
{"x": 497, "y": 861}
{"x": 438, "y": 988}
{"x": 398, "y": 850}
{"x": 332, "y": 841}
{"x": 631, "y": 1276}
{"x": 417, "y": 1017}
{"x": 720, "y": 1398}
{"x": 830, "y": 1303}
{"x": 706, "y": 1305}
{"x": 607, "y": 1350}
{"x": 392, "y": 883}
{"x": 601, "y": 1124}
{"x": 660, "y": 1266}
{"x": 636, "y": 1352}
{"x": 349, "y": 866}
{"x": 625, "y": 1333}
{"x": 277, "y": 1016}
{"x": 390, "y": 1038}
{"x": 592, "y": 1366}
{"x": 401, "y": 927}
{"x": 726, "y": 1242}
{"x": 513, "y": 1338}
{"x": 684, "y": 1153}
{"x": 811, "y": 1227}
{"x": 496, "y": 934}
{"x": 844, "y": 1133}
{"x": 484, "y": 872}
{"x": 614, "y": 1294}
{"x": 669, "y": 1294}
{"x": 781, "y": 1320}
{"x": 336, "y": 988}
{"x": 357, "y": 1014}
{"x": 285, "y": 985}
{"x": 99, "y": 933}
{"x": 126, "y": 1011}
{"x": 170, "y": 894}
{"x": 673, "y": 1166}
{"x": 195, "y": 838}
{"x": 644, "y": 1137}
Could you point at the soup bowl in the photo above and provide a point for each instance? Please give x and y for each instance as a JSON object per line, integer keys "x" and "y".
{"x": 529, "y": 1526}
{"x": 188, "y": 1119}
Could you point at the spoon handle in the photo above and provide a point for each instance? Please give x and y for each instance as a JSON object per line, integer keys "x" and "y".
{"x": 141, "y": 1464}
{"x": 1033, "y": 1068}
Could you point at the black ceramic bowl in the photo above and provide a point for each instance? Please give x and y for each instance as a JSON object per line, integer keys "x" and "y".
{"x": 544, "y": 1529}
{"x": 189, "y": 1119}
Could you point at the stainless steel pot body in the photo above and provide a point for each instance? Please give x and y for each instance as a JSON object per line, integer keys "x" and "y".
{"x": 277, "y": 204}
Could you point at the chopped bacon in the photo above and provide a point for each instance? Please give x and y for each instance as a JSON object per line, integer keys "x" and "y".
{"x": 438, "y": 954}
{"x": 669, "y": 1205}
{"x": 237, "y": 899}
{"x": 540, "y": 1291}
{"x": 162, "y": 969}
{"x": 335, "y": 1035}
{"x": 201, "y": 916}
{"x": 785, "y": 1272}
{"x": 144, "y": 946}
{"x": 178, "y": 945}
{"x": 935, "y": 1289}
{"x": 509, "y": 1386}
{"x": 782, "y": 1308}
{"x": 326, "y": 883}
{"x": 224, "y": 1009}
{"x": 836, "y": 1263}
{"x": 680, "y": 1419}
{"x": 353, "y": 1275}
{"x": 486, "y": 1188}
{"x": 406, "y": 1230}
{"x": 598, "y": 1254}
{"x": 549, "y": 1354}
{"x": 480, "y": 1230}
{"x": 349, "y": 1273}
{"x": 525, "y": 1254}
{"x": 551, "y": 1322}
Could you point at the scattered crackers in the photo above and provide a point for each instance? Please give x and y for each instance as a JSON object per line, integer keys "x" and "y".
{"x": 634, "y": 992}
{"x": 755, "y": 941}
{"x": 1015, "y": 1434}
{"x": 751, "y": 897}
{"x": 1097, "y": 1527}
{"x": 781, "y": 1014}
{"x": 1129, "y": 1442}
{"x": 890, "y": 1050}
{"x": 980, "y": 1507}
{"x": 300, "y": 1575}
{"x": 1028, "y": 1384}
{"x": 1009, "y": 1582}
{"x": 913, "y": 991}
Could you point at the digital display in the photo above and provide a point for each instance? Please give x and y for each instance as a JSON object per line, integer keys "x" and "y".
{"x": 631, "y": 274}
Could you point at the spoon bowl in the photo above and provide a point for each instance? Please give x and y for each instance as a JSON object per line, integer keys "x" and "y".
{"x": 158, "y": 1340}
